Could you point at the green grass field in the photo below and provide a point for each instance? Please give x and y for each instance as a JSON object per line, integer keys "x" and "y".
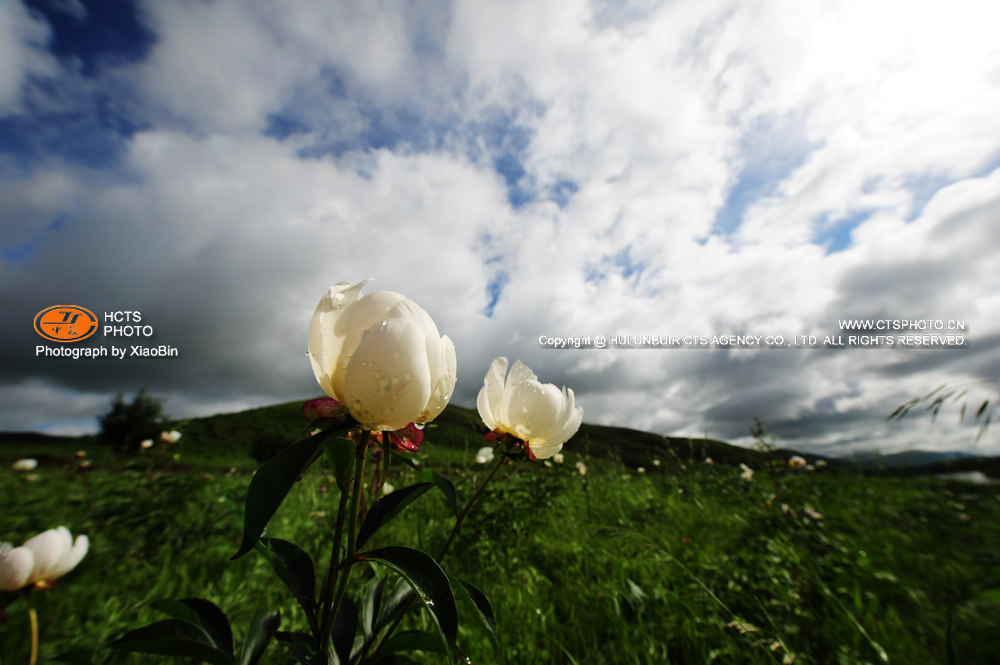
{"x": 682, "y": 563}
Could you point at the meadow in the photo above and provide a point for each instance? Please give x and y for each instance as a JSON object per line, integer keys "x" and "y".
{"x": 653, "y": 556}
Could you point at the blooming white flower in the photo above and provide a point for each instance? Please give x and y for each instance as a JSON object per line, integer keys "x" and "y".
{"x": 172, "y": 436}
{"x": 382, "y": 356}
{"x": 484, "y": 456}
{"x": 41, "y": 560}
{"x": 148, "y": 443}
{"x": 25, "y": 464}
{"x": 641, "y": 469}
{"x": 796, "y": 462}
{"x": 558, "y": 458}
{"x": 537, "y": 413}
{"x": 747, "y": 472}
{"x": 581, "y": 468}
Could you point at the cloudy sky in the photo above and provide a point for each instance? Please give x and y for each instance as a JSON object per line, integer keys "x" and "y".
{"x": 521, "y": 169}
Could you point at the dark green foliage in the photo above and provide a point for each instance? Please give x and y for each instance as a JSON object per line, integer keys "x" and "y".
{"x": 684, "y": 563}
{"x": 126, "y": 424}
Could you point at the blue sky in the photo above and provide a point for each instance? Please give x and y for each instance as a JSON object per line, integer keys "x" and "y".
{"x": 527, "y": 168}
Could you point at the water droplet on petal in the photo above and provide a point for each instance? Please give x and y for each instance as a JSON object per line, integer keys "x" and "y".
{"x": 420, "y": 426}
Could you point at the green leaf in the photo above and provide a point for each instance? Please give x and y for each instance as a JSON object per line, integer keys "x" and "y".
{"x": 214, "y": 621}
{"x": 345, "y": 625}
{"x": 388, "y": 507}
{"x": 425, "y": 576}
{"x": 272, "y": 482}
{"x": 263, "y": 626}
{"x": 300, "y": 646}
{"x": 295, "y": 568}
{"x": 173, "y": 637}
{"x": 396, "y": 659}
{"x": 446, "y": 486}
{"x": 339, "y": 453}
{"x": 413, "y": 640}
{"x": 371, "y": 607}
{"x": 400, "y": 597}
{"x": 480, "y": 604}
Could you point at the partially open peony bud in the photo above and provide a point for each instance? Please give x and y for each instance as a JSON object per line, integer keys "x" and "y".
{"x": 537, "y": 413}
{"x": 382, "y": 356}
{"x": 41, "y": 560}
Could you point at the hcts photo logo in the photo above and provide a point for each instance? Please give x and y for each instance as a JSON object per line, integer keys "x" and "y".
{"x": 65, "y": 323}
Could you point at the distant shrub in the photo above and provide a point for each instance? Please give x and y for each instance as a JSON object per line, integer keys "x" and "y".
{"x": 126, "y": 424}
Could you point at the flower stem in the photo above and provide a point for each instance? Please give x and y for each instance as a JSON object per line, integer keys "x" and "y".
{"x": 336, "y": 596}
{"x": 444, "y": 550}
{"x": 468, "y": 508}
{"x": 33, "y": 620}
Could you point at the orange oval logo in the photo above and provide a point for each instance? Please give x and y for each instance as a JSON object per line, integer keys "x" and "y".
{"x": 65, "y": 323}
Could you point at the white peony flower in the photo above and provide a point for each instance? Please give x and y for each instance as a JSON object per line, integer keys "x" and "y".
{"x": 537, "y": 413}
{"x": 25, "y": 464}
{"x": 170, "y": 437}
{"x": 382, "y": 356}
{"x": 41, "y": 560}
{"x": 484, "y": 456}
{"x": 796, "y": 462}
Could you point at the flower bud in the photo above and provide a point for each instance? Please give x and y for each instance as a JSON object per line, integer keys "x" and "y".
{"x": 382, "y": 356}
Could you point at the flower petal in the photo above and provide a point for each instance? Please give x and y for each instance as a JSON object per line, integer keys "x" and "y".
{"x": 491, "y": 394}
{"x": 72, "y": 558}
{"x": 48, "y": 548}
{"x": 16, "y": 564}
{"x": 388, "y": 378}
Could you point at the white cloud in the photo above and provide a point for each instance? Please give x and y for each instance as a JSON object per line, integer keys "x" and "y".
{"x": 638, "y": 128}
{"x": 22, "y": 40}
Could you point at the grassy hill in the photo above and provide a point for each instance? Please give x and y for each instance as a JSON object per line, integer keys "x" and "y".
{"x": 244, "y": 439}
{"x": 685, "y": 563}
{"x": 247, "y": 437}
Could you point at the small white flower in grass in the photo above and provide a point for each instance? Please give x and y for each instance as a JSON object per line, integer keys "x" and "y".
{"x": 558, "y": 458}
{"x": 746, "y": 472}
{"x": 796, "y": 462}
{"x": 641, "y": 469}
{"x": 656, "y": 461}
{"x": 145, "y": 445}
{"x": 382, "y": 356}
{"x": 709, "y": 460}
{"x": 539, "y": 414}
{"x": 820, "y": 463}
{"x": 173, "y": 436}
{"x": 581, "y": 468}
{"x": 387, "y": 489}
{"x": 484, "y": 456}
{"x": 25, "y": 464}
{"x": 41, "y": 560}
